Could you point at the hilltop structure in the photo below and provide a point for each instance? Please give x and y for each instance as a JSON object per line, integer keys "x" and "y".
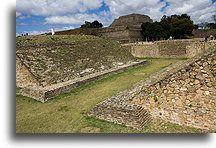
{"x": 131, "y": 20}
{"x": 124, "y": 29}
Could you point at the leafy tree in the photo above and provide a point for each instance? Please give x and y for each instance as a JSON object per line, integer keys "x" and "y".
{"x": 152, "y": 30}
{"x": 94, "y": 24}
{"x": 182, "y": 27}
{"x": 86, "y": 25}
{"x": 176, "y": 25}
{"x": 196, "y": 26}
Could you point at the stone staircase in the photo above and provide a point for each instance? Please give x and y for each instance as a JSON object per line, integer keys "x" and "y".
{"x": 121, "y": 113}
{"x": 143, "y": 116}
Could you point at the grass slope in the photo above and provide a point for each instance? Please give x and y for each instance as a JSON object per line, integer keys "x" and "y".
{"x": 67, "y": 112}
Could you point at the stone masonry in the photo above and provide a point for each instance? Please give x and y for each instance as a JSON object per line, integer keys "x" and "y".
{"x": 42, "y": 94}
{"x": 131, "y": 20}
{"x": 124, "y": 29}
{"x": 183, "y": 93}
{"x": 167, "y": 49}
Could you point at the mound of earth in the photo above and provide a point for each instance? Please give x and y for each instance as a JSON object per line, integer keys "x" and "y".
{"x": 59, "y": 58}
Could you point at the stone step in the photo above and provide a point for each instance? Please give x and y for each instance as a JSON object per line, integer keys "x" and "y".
{"x": 141, "y": 113}
{"x": 147, "y": 120}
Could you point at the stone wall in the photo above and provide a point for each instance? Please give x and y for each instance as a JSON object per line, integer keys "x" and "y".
{"x": 201, "y": 33}
{"x": 186, "y": 97}
{"x": 145, "y": 50}
{"x": 24, "y": 77}
{"x": 44, "y": 93}
{"x": 116, "y": 33}
{"x": 122, "y": 34}
{"x": 171, "y": 49}
{"x": 183, "y": 93}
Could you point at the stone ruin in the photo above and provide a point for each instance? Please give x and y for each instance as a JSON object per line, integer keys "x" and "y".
{"x": 124, "y": 29}
{"x": 183, "y": 93}
{"x": 47, "y": 66}
{"x": 127, "y": 29}
{"x": 131, "y": 20}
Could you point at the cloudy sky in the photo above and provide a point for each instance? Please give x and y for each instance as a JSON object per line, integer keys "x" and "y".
{"x": 39, "y": 16}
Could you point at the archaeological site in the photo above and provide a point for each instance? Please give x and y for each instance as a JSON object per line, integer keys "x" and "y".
{"x": 181, "y": 93}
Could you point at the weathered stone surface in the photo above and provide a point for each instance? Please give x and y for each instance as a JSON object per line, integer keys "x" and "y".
{"x": 44, "y": 93}
{"x": 131, "y": 20}
{"x": 175, "y": 48}
{"x": 23, "y": 76}
{"x": 193, "y": 105}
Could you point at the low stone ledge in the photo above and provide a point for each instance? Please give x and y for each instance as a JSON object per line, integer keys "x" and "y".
{"x": 44, "y": 93}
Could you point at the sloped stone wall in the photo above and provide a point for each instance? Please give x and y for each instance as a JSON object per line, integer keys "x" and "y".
{"x": 44, "y": 93}
{"x": 186, "y": 97}
{"x": 23, "y": 76}
{"x": 122, "y": 34}
{"x": 183, "y": 93}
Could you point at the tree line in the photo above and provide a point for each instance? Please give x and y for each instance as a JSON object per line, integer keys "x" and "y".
{"x": 94, "y": 24}
{"x": 177, "y": 26}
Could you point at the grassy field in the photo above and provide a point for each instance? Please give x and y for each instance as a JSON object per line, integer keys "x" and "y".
{"x": 67, "y": 112}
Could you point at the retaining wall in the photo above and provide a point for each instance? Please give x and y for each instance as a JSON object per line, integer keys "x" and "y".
{"x": 183, "y": 93}
{"x": 201, "y": 33}
{"x": 44, "y": 93}
{"x": 171, "y": 49}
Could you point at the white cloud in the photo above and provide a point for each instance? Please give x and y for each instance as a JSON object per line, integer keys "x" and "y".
{"x": 56, "y": 7}
{"x": 71, "y": 19}
{"x": 23, "y": 24}
{"x": 75, "y": 12}
{"x": 77, "y": 19}
{"x": 64, "y": 28}
{"x": 18, "y": 14}
{"x": 147, "y": 7}
{"x": 199, "y": 10}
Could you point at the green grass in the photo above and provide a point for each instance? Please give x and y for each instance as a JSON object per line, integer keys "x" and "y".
{"x": 66, "y": 113}
{"x": 55, "y": 38}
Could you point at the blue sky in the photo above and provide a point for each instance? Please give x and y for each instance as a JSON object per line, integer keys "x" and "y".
{"x": 39, "y": 16}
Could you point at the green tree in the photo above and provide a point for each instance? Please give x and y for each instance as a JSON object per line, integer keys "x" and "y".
{"x": 182, "y": 27}
{"x": 94, "y": 24}
{"x": 86, "y": 25}
{"x": 152, "y": 30}
{"x": 177, "y": 26}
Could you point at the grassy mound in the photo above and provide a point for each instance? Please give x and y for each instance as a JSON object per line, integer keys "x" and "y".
{"x": 54, "y": 59}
